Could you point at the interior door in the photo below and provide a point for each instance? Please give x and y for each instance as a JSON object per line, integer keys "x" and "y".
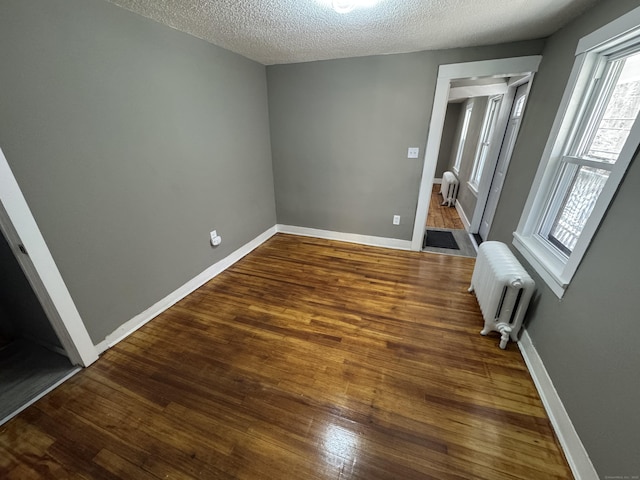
{"x": 517, "y": 109}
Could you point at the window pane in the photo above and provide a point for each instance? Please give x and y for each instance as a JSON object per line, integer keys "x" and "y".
{"x": 463, "y": 136}
{"x": 519, "y": 106}
{"x": 485, "y": 140}
{"x": 577, "y": 207}
{"x": 620, "y": 113}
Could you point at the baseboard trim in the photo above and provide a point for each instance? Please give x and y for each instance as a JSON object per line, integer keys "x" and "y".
{"x": 437, "y": 181}
{"x": 574, "y": 450}
{"x": 156, "y": 309}
{"x": 463, "y": 216}
{"x": 346, "y": 237}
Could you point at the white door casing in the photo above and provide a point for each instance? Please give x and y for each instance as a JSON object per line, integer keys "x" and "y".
{"x": 446, "y": 73}
{"x": 20, "y": 229}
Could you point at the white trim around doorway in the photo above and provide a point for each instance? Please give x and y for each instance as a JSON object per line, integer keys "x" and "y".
{"x": 446, "y": 73}
{"x": 20, "y": 229}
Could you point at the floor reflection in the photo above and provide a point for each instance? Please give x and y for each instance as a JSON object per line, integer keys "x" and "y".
{"x": 340, "y": 447}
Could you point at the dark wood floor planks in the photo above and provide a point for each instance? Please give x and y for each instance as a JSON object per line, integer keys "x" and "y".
{"x": 307, "y": 359}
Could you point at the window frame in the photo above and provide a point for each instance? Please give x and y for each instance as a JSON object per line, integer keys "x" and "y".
{"x": 464, "y": 130}
{"x": 485, "y": 140}
{"x": 554, "y": 267}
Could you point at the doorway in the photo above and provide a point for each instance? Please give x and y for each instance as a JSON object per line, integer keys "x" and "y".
{"x": 509, "y": 67}
{"x": 45, "y": 301}
{"x": 445, "y": 232}
{"x": 32, "y": 359}
{"x": 26, "y": 241}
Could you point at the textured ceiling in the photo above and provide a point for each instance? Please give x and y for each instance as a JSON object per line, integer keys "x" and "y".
{"x": 289, "y": 31}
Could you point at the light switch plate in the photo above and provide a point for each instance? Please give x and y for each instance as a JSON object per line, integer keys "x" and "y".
{"x": 413, "y": 152}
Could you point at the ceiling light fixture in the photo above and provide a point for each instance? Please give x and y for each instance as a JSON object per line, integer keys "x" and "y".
{"x": 346, "y": 6}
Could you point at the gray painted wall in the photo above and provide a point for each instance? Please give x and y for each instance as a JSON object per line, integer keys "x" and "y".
{"x": 466, "y": 196}
{"x": 448, "y": 141}
{"x": 340, "y": 131}
{"x": 130, "y": 141}
{"x": 589, "y": 341}
{"x": 20, "y": 311}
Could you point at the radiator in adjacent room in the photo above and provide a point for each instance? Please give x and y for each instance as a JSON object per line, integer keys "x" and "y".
{"x": 449, "y": 189}
{"x": 503, "y": 289}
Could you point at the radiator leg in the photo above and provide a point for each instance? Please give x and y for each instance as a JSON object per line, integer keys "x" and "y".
{"x": 505, "y": 330}
{"x": 470, "y": 290}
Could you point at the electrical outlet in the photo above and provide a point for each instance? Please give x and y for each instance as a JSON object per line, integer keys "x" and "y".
{"x": 215, "y": 238}
{"x": 413, "y": 152}
{"x": 396, "y": 219}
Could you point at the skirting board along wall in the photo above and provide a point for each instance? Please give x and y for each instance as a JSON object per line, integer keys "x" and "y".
{"x": 463, "y": 216}
{"x": 156, "y": 309}
{"x": 575, "y": 452}
{"x": 347, "y": 237}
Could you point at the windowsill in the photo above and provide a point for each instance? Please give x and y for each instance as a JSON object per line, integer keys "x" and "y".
{"x": 548, "y": 267}
{"x": 473, "y": 189}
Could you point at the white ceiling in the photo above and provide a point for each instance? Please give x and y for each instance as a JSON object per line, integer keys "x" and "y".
{"x": 290, "y": 31}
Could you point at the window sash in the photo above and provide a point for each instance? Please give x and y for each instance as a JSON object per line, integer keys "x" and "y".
{"x": 595, "y": 101}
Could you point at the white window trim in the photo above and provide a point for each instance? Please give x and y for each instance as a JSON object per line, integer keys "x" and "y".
{"x": 554, "y": 270}
{"x": 464, "y": 131}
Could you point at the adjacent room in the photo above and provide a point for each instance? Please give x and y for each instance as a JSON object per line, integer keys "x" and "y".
{"x": 213, "y": 220}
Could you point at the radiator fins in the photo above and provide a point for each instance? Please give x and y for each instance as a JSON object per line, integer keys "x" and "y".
{"x": 503, "y": 289}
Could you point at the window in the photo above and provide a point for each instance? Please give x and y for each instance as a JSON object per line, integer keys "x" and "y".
{"x": 488, "y": 127}
{"x": 593, "y": 141}
{"x": 463, "y": 137}
{"x": 593, "y": 152}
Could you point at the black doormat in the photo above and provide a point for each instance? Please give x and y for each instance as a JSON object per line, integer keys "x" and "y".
{"x": 439, "y": 239}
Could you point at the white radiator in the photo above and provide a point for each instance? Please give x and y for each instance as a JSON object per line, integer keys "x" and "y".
{"x": 503, "y": 289}
{"x": 449, "y": 188}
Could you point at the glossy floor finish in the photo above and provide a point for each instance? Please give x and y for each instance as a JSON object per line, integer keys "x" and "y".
{"x": 442, "y": 216}
{"x": 308, "y": 359}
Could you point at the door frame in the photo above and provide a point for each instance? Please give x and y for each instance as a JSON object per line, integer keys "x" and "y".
{"x": 20, "y": 229}
{"x": 446, "y": 74}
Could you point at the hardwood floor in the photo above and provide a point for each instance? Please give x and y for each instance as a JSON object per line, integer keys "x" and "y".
{"x": 308, "y": 359}
{"x": 442, "y": 216}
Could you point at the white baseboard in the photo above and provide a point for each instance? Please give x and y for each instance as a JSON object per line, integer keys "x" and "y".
{"x": 575, "y": 452}
{"x": 463, "y": 216}
{"x": 437, "y": 181}
{"x": 156, "y": 309}
{"x": 347, "y": 237}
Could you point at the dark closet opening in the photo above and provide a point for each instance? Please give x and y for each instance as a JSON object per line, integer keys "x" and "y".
{"x": 32, "y": 359}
